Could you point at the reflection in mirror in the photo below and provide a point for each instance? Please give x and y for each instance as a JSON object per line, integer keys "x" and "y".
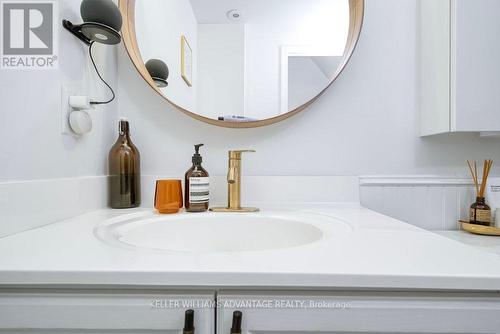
{"x": 243, "y": 60}
{"x": 158, "y": 71}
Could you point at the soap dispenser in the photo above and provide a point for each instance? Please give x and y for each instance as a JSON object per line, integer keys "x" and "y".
{"x": 124, "y": 171}
{"x": 196, "y": 184}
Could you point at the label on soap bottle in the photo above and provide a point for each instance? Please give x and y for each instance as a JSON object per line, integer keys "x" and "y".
{"x": 199, "y": 189}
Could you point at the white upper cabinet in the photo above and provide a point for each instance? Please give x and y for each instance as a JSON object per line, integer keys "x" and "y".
{"x": 459, "y": 66}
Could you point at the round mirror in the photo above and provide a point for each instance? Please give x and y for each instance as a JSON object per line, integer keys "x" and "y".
{"x": 241, "y": 63}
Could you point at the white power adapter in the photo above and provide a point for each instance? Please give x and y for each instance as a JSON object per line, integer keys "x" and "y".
{"x": 79, "y": 117}
{"x": 79, "y": 102}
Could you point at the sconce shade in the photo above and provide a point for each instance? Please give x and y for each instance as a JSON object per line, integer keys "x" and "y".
{"x": 101, "y": 11}
{"x": 102, "y": 22}
{"x": 158, "y": 71}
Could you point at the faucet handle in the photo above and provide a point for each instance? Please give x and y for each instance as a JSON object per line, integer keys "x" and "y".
{"x": 236, "y": 154}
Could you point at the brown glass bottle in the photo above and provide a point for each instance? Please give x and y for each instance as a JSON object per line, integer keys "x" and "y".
{"x": 196, "y": 185}
{"x": 124, "y": 185}
{"x": 480, "y": 212}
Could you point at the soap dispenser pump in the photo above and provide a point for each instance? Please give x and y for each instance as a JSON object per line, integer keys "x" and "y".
{"x": 196, "y": 184}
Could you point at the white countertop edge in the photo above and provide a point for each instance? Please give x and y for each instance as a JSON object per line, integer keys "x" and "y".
{"x": 250, "y": 281}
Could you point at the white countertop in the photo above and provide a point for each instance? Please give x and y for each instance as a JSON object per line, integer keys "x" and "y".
{"x": 380, "y": 253}
{"x": 484, "y": 242}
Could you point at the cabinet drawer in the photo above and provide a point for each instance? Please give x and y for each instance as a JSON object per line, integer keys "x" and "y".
{"x": 104, "y": 313}
{"x": 387, "y": 313}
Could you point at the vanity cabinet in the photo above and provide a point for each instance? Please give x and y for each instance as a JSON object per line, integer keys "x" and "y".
{"x": 459, "y": 66}
{"x": 85, "y": 312}
{"x": 366, "y": 313}
{"x": 263, "y": 312}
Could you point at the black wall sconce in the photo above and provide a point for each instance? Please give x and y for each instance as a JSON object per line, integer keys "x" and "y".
{"x": 102, "y": 22}
{"x": 158, "y": 71}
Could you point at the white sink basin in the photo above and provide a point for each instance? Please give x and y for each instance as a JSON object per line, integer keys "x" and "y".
{"x": 217, "y": 232}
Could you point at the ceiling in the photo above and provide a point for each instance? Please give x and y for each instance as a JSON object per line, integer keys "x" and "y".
{"x": 214, "y": 11}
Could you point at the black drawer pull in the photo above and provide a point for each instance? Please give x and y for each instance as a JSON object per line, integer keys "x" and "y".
{"x": 188, "y": 322}
{"x": 236, "y": 326}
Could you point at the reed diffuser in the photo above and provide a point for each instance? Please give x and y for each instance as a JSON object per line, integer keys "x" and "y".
{"x": 480, "y": 212}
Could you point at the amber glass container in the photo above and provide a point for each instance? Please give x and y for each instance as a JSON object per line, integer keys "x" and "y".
{"x": 480, "y": 212}
{"x": 124, "y": 171}
{"x": 168, "y": 196}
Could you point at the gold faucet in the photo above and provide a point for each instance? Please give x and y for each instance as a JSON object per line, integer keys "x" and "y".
{"x": 234, "y": 184}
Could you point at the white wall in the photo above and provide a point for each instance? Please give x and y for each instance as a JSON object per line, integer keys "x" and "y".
{"x": 366, "y": 123}
{"x": 221, "y": 69}
{"x": 159, "y": 27}
{"x": 31, "y": 143}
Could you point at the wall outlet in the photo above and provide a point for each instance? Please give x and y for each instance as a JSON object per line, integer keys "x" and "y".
{"x": 65, "y": 111}
{"x": 75, "y": 120}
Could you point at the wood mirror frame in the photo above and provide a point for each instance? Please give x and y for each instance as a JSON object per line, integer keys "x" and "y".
{"x": 127, "y": 8}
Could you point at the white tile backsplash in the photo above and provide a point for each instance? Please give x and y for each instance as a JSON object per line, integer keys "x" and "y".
{"x": 273, "y": 189}
{"x": 451, "y": 208}
{"x": 432, "y": 203}
{"x": 26, "y": 205}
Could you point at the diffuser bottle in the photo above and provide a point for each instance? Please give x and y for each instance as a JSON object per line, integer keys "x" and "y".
{"x": 480, "y": 212}
{"x": 124, "y": 171}
{"x": 196, "y": 185}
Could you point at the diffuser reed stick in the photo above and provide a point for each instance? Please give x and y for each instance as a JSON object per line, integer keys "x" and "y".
{"x": 474, "y": 175}
{"x": 486, "y": 172}
{"x": 480, "y": 212}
